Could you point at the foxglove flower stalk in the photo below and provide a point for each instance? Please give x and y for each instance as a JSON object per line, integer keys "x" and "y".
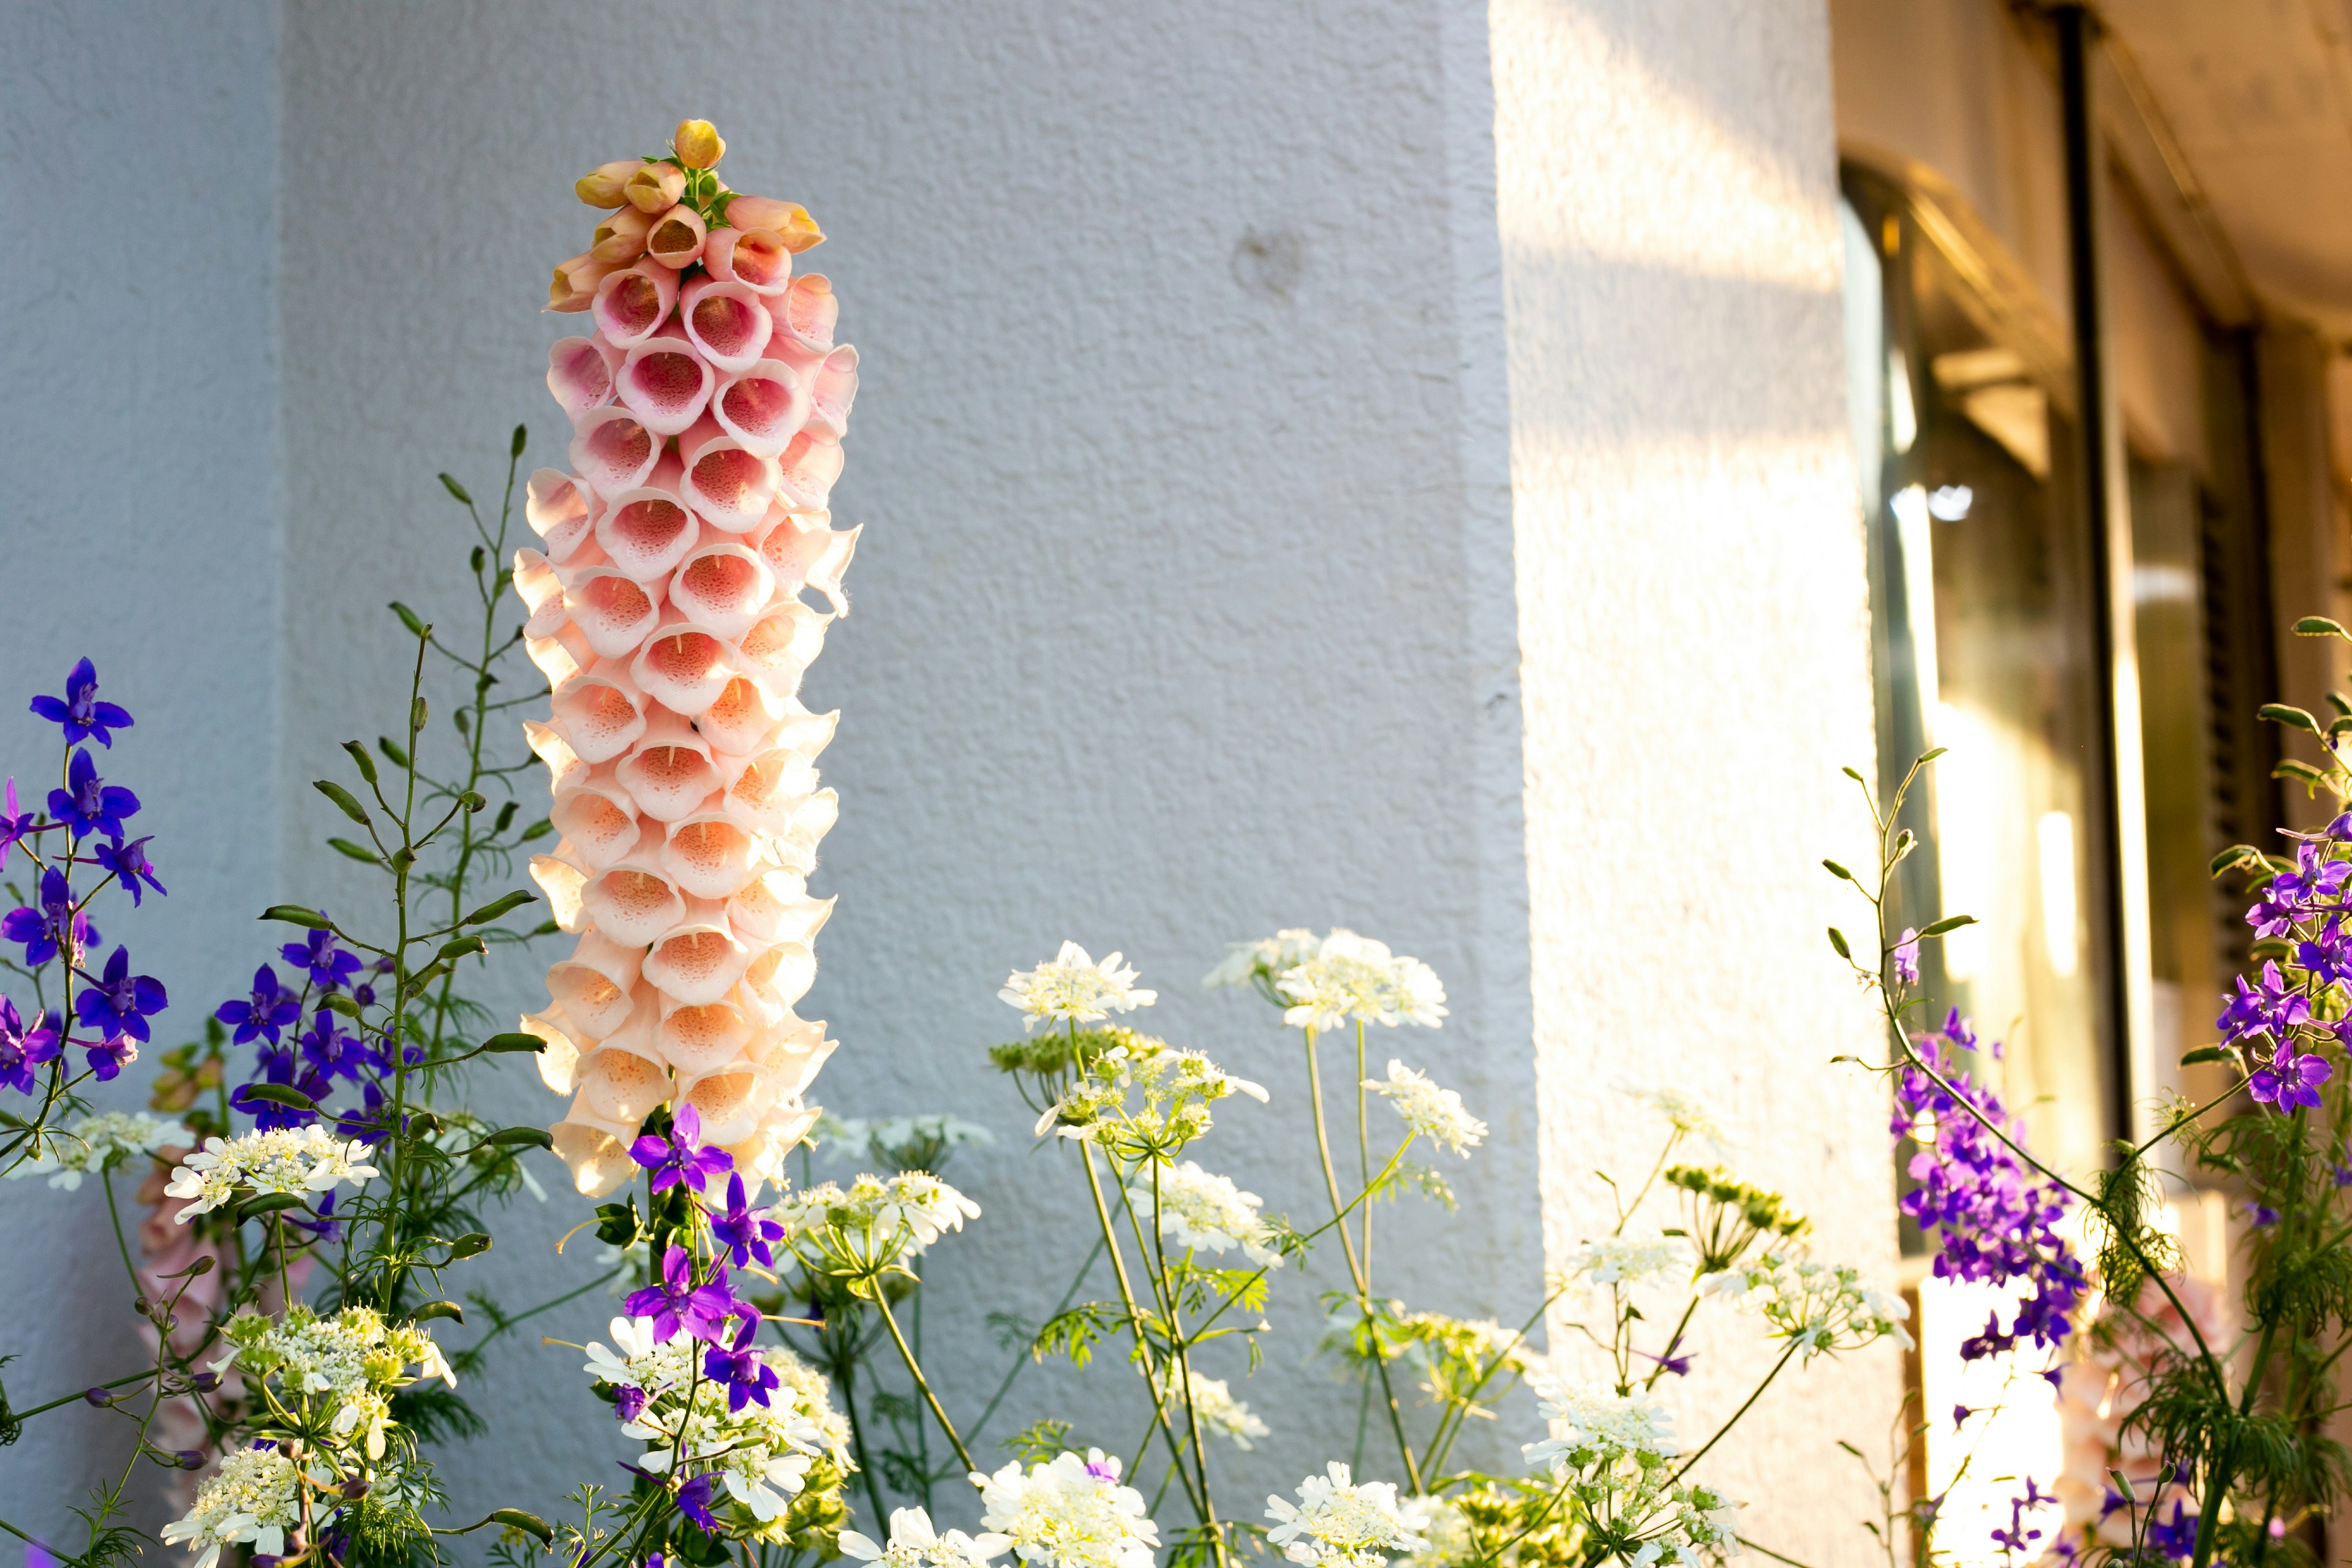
{"x": 672, "y": 607}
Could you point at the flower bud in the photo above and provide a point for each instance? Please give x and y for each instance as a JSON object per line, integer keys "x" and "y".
{"x": 654, "y": 187}
{"x": 620, "y": 238}
{"x": 789, "y": 220}
{"x": 205, "y": 1382}
{"x": 574, "y": 285}
{"x": 605, "y": 185}
{"x": 676, "y": 237}
{"x": 698, "y": 143}
{"x": 101, "y": 1397}
{"x": 190, "y": 1458}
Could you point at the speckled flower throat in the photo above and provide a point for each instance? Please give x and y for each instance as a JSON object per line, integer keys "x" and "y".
{"x": 673, "y": 605}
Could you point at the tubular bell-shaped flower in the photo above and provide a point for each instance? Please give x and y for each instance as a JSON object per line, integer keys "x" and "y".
{"x": 665, "y": 610}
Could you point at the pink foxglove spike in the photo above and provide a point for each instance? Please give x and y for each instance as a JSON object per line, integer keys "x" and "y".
{"x": 666, "y": 384}
{"x": 632, "y": 303}
{"x": 763, "y": 406}
{"x": 665, "y": 604}
{"x": 833, "y": 390}
{"x": 726, "y": 322}
{"x": 579, "y": 375}
{"x": 676, "y": 237}
{"x": 753, "y": 257}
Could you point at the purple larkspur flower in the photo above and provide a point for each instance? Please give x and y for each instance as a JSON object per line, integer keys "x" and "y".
{"x": 51, "y": 926}
{"x": 676, "y": 1302}
{"x": 119, "y": 1001}
{"x": 108, "y": 1059}
{"x": 628, "y": 1402}
{"x": 2270, "y": 1009}
{"x": 738, "y": 1365}
{"x": 2316, "y": 883}
{"x": 1991, "y": 1222}
{"x": 15, "y": 826}
{"x": 2290, "y": 1081}
{"x": 680, "y": 1157}
{"x": 2017, "y": 1537}
{"x": 330, "y": 965}
{"x": 1906, "y": 957}
{"x": 694, "y": 1500}
{"x": 79, "y": 713}
{"x": 23, "y": 1046}
{"x": 130, "y": 865}
{"x": 89, "y": 804}
{"x": 264, "y": 1015}
{"x": 2176, "y": 1537}
{"x": 746, "y": 1232}
{"x": 2262, "y": 1216}
{"x": 1961, "y": 1413}
{"x": 2328, "y": 954}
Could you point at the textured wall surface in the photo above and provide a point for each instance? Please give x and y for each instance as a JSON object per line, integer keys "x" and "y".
{"x": 140, "y": 420}
{"x": 1693, "y": 616}
{"x": 1177, "y": 615}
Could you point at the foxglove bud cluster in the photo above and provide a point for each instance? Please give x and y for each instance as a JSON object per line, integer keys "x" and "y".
{"x": 673, "y": 607}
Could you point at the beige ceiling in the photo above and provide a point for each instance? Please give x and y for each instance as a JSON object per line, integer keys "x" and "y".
{"x": 2258, "y": 96}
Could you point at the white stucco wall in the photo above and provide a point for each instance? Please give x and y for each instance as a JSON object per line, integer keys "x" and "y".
{"x": 1694, "y": 620}
{"x": 1247, "y": 391}
{"x": 139, "y": 418}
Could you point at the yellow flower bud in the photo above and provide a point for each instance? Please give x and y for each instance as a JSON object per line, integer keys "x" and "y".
{"x": 698, "y": 143}
{"x": 654, "y": 187}
{"x": 575, "y": 285}
{"x": 603, "y": 186}
{"x": 789, "y": 221}
{"x": 620, "y": 238}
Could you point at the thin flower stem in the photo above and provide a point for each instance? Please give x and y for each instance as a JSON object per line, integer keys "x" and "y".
{"x": 1441, "y": 1443}
{"x": 1745, "y": 1406}
{"x": 106, "y": 1180}
{"x": 1181, "y": 1374}
{"x": 1022, "y": 1358}
{"x": 1126, "y": 1298}
{"x": 915, "y": 1370}
{"x": 1364, "y": 1151}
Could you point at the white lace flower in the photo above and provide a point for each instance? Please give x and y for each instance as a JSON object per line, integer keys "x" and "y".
{"x": 251, "y": 1498}
{"x": 1817, "y": 1306}
{"x": 1354, "y": 978}
{"x": 1598, "y": 1427}
{"x": 93, "y": 1142}
{"x": 1206, "y": 1213}
{"x": 908, "y": 1211}
{"x": 1213, "y": 1404}
{"x": 1073, "y": 987}
{"x": 1619, "y": 1260}
{"x": 915, "y": 1544}
{"x": 348, "y": 1363}
{"x": 1340, "y": 1523}
{"x": 1265, "y": 958}
{"x": 849, "y": 1139}
{"x": 1071, "y": 1514}
{"x": 301, "y": 1160}
{"x": 1685, "y": 1112}
{"x": 1435, "y": 1113}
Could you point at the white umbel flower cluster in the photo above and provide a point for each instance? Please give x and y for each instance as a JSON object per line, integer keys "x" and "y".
{"x": 253, "y": 1497}
{"x": 296, "y": 1159}
{"x": 1596, "y": 1427}
{"x": 1265, "y": 961}
{"x": 1817, "y": 1306}
{"x": 1074, "y": 988}
{"x": 708, "y": 404}
{"x": 1070, "y": 1513}
{"x": 905, "y": 1213}
{"x": 761, "y": 1453}
{"x": 1338, "y": 1522}
{"x": 1626, "y": 1262}
{"x": 349, "y": 1363}
{"x": 915, "y": 1544}
{"x": 93, "y": 1142}
{"x": 1437, "y": 1114}
{"x": 1204, "y": 1212}
{"x": 1214, "y": 1405}
{"x": 1353, "y": 978}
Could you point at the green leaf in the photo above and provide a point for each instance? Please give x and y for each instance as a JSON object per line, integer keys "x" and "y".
{"x": 432, "y": 1309}
{"x": 455, "y": 488}
{"x": 545, "y": 928}
{"x": 2293, "y": 718}
{"x": 498, "y": 1045}
{"x": 1950, "y": 922}
{"x": 266, "y": 1202}
{"x": 461, "y": 947}
{"x": 359, "y": 852}
{"x": 538, "y": 829}
{"x": 497, "y": 907}
{"x": 470, "y": 1245}
{"x": 335, "y": 1000}
{"x": 2320, "y": 626}
{"x": 279, "y": 1094}
{"x": 2269, "y": 947}
{"x": 359, "y": 755}
{"x": 1840, "y": 872}
{"x": 2204, "y": 1053}
{"x": 384, "y": 744}
{"x": 1837, "y": 941}
{"x": 344, "y": 800}
{"x": 2302, "y": 773}
{"x": 296, "y": 915}
{"x": 409, "y": 618}
{"x": 529, "y": 1523}
{"x": 2236, "y": 855}
{"x": 516, "y": 1137}
{"x": 515, "y": 450}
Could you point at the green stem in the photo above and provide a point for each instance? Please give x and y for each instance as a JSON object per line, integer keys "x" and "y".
{"x": 915, "y": 1371}
{"x": 1745, "y": 1406}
